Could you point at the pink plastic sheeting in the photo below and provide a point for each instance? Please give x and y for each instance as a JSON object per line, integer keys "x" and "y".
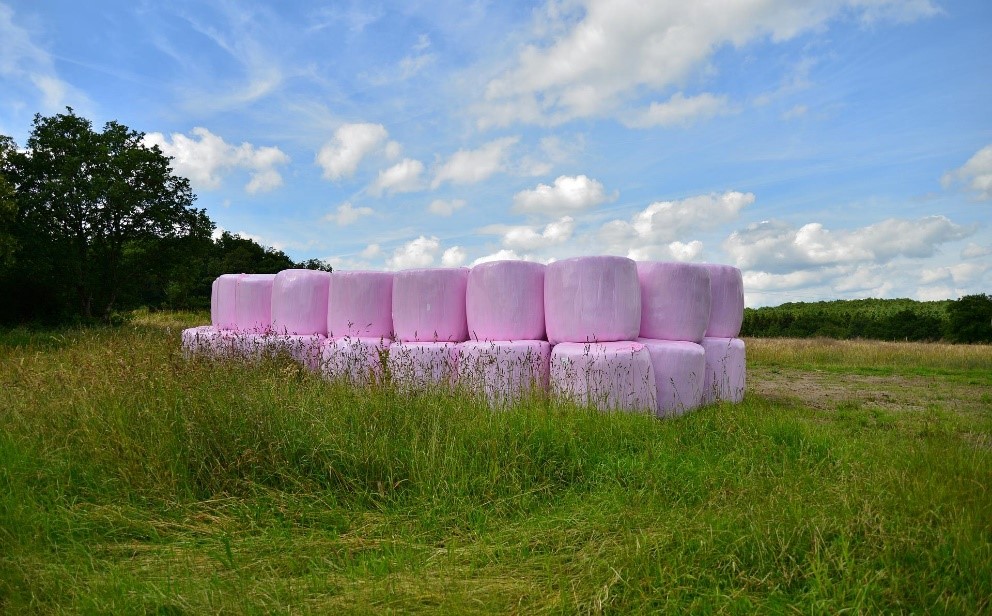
{"x": 213, "y": 302}
{"x": 504, "y": 371}
{"x": 675, "y": 300}
{"x": 360, "y": 304}
{"x": 679, "y": 371}
{"x": 253, "y": 304}
{"x": 725, "y": 370}
{"x": 304, "y": 349}
{"x": 299, "y": 302}
{"x": 504, "y": 300}
{"x": 422, "y": 365}
{"x": 727, "y": 305}
{"x": 592, "y": 299}
{"x": 429, "y": 305}
{"x": 227, "y": 301}
{"x": 358, "y": 360}
{"x": 199, "y": 340}
{"x": 605, "y": 375}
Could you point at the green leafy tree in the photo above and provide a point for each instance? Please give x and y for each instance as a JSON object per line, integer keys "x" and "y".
{"x": 93, "y": 210}
{"x": 969, "y": 319}
{"x": 8, "y": 204}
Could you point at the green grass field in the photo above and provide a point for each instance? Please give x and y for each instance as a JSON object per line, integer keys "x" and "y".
{"x": 856, "y": 476}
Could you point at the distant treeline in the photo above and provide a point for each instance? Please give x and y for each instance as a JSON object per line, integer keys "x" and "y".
{"x": 968, "y": 319}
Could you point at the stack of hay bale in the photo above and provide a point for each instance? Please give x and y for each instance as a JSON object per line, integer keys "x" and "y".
{"x": 507, "y": 355}
{"x": 428, "y": 324}
{"x": 359, "y": 325}
{"x": 601, "y": 331}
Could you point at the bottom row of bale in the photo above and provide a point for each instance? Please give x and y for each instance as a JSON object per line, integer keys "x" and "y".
{"x": 660, "y": 376}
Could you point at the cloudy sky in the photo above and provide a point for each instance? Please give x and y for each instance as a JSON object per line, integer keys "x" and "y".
{"x": 830, "y": 149}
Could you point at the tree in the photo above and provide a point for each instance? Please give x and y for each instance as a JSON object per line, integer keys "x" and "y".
{"x": 8, "y": 204}
{"x": 94, "y": 208}
{"x": 969, "y": 319}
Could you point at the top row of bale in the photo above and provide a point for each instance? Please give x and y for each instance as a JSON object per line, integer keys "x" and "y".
{"x": 583, "y": 299}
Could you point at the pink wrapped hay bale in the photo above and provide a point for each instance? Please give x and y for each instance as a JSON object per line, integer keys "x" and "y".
{"x": 504, "y": 300}
{"x": 679, "y": 372}
{"x": 605, "y": 375}
{"x": 357, "y": 360}
{"x": 727, "y": 301}
{"x": 223, "y": 303}
{"x": 504, "y": 371}
{"x": 429, "y": 305}
{"x": 305, "y": 349}
{"x": 199, "y": 340}
{"x": 253, "y": 303}
{"x": 299, "y": 302}
{"x": 725, "y": 370}
{"x": 213, "y": 302}
{"x": 592, "y": 299}
{"x": 360, "y": 304}
{"x": 675, "y": 300}
{"x": 422, "y": 365}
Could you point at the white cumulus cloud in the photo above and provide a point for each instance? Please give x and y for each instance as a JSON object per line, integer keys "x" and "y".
{"x": 445, "y": 208}
{"x": 339, "y": 158}
{"x": 453, "y": 257}
{"x": 417, "y": 253}
{"x": 778, "y": 247}
{"x": 973, "y": 251}
{"x": 976, "y": 174}
{"x": 569, "y": 194}
{"x": 404, "y": 176}
{"x": 658, "y": 231}
{"x": 347, "y": 214}
{"x": 470, "y": 166}
{"x": 205, "y": 158}
{"x": 589, "y": 56}
{"x": 527, "y": 237}
{"x": 680, "y": 110}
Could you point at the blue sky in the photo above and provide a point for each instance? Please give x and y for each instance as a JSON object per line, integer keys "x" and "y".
{"x": 829, "y": 149}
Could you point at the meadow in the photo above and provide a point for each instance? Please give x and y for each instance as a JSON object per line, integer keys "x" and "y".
{"x": 856, "y": 476}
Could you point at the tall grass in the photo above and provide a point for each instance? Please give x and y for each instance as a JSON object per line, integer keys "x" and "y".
{"x": 134, "y": 480}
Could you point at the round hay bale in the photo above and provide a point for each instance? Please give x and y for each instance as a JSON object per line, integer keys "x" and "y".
{"x": 429, "y": 305}
{"x": 679, "y": 374}
{"x": 675, "y": 300}
{"x": 592, "y": 299}
{"x": 605, "y": 375}
{"x": 299, "y": 302}
{"x": 360, "y": 304}
{"x": 504, "y": 300}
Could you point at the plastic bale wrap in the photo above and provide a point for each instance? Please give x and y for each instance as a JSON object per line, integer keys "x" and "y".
{"x": 504, "y": 300}
{"x": 679, "y": 372}
{"x": 605, "y": 375}
{"x": 592, "y": 299}
{"x": 200, "y": 340}
{"x": 226, "y": 301}
{"x": 357, "y": 360}
{"x": 304, "y": 349}
{"x": 725, "y": 370}
{"x": 504, "y": 372}
{"x": 420, "y": 366}
{"x": 249, "y": 346}
{"x": 727, "y": 303}
{"x": 429, "y": 305}
{"x": 299, "y": 302}
{"x": 253, "y": 304}
{"x": 214, "y": 318}
{"x": 675, "y": 300}
{"x": 360, "y": 304}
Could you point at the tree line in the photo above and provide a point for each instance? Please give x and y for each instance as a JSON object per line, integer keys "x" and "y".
{"x": 95, "y": 222}
{"x": 968, "y": 319}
